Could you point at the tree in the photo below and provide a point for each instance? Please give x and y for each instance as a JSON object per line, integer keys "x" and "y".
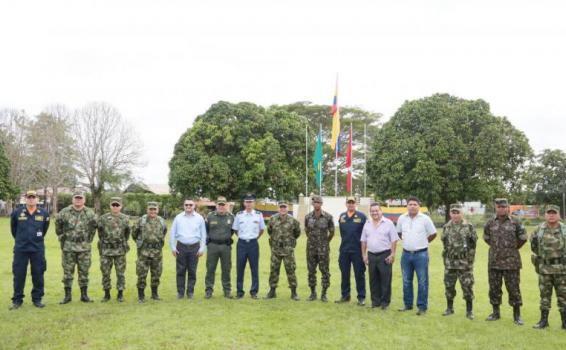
{"x": 546, "y": 177}
{"x": 7, "y": 189}
{"x": 445, "y": 149}
{"x": 235, "y": 148}
{"x": 107, "y": 147}
{"x": 52, "y": 152}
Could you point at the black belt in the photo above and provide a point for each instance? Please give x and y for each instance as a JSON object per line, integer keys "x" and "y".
{"x": 221, "y": 241}
{"x": 154, "y": 245}
{"x": 415, "y": 251}
{"x": 188, "y": 245}
{"x": 388, "y": 251}
{"x": 247, "y": 240}
{"x": 554, "y": 261}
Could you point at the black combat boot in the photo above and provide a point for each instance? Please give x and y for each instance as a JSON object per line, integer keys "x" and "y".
{"x": 68, "y": 297}
{"x": 563, "y": 316}
{"x": 271, "y": 294}
{"x": 449, "y": 307}
{"x": 495, "y": 315}
{"x": 543, "y": 323}
{"x": 120, "y": 296}
{"x": 154, "y": 294}
{"x": 141, "y": 296}
{"x": 323, "y": 296}
{"x": 84, "y": 295}
{"x": 106, "y": 295}
{"x": 208, "y": 293}
{"x": 294, "y": 295}
{"x": 469, "y": 309}
{"x": 312, "y": 297}
{"x": 517, "y": 315}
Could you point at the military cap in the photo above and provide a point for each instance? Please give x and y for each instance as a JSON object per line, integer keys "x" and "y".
{"x": 152, "y": 205}
{"x": 221, "y": 200}
{"x": 501, "y": 202}
{"x": 78, "y": 193}
{"x": 457, "y": 207}
{"x": 350, "y": 199}
{"x": 316, "y": 198}
{"x": 116, "y": 200}
{"x": 283, "y": 203}
{"x": 31, "y": 193}
{"x": 552, "y": 207}
{"x": 249, "y": 197}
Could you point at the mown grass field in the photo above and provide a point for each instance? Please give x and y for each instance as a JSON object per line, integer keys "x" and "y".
{"x": 261, "y": 324}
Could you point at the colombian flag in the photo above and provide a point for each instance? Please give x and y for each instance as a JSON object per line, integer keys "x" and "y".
{"x": 335, "y": 140}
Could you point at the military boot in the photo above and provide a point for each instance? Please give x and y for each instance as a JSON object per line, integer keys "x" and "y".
{"x": 141, "y": 296}
{"x": 154, "y": 294}
{"x": 517, "y": 315}
{"x": 469, "y": 309}
{"x": 449, "y": 307}
{"x": 543, "y": 323}
{"x": 120, "y": 296}
{"x": 563, "y": 316}
{"x": 84, "y": 295}
{"x": 68, "y": 297}
{"x": 106, "y": 296}
{"x": 271, "y": 294}
{"x": 495, "y": 315}
{"x": 294, "y": 295}
{"x": 323, "y": 296}
{"x": 313, "y": 294}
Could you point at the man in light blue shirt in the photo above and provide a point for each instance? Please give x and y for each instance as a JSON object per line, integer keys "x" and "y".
{"x": 250, "y": 225}
{"x": 188, "y": 242}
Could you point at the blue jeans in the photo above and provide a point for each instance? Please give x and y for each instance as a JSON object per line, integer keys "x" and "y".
{"x": 411, "y": 263}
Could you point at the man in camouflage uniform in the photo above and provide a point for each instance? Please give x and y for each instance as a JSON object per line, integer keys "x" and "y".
{"x": 459, "y": 239}
{"x": 149, "y": 233}
{"x": 75, "y": 227}
{"x": 219, "y": 237}
{"x": 319, "y": 228}
{"x": 505, "y": 235}
{"x": 283, "y": 230}
{"x": 548, "y": 244}
{"x": 113, "y": 235}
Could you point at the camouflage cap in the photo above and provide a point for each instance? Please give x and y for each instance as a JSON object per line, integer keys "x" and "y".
{"x": 31, "y": 193}
{"x": 78, "y": 193}
{"x": 221, "y": 200}
{"x": 350, "y": 199}
{"x": 249, "y": 197}
{"x": 316, "y": 198}
{"x": 152, "y": 205}
{"x": 501, "y": 202}
{"x": 283, "y": 203}
{"x": 457, "y": 207}
{"x": 116, "y": 200}
{"x": 552, "y": 207}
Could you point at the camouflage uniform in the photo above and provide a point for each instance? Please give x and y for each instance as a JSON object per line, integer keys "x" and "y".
{"x": 459, "y": 240}
{"x": 319, "y": 229}
{"x": 113, "y": 235}
{"x": 149, "y": 235}
{"x": 75, "y": 230}
{"x": 549, "y": 249}
{"x": 283, "y": 233}
{"x": 505, "y": 236}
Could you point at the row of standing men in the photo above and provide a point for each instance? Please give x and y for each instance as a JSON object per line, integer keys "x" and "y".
{"x": 364, "y": 242}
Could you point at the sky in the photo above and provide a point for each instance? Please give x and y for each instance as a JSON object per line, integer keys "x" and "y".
{"x": 163, "y": 63}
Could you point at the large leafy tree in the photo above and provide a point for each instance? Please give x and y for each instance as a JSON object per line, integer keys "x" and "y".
{"x": 7, "y": 188}
{"x": 234, "y": 148}
{"x": 546, "y": 177}
{"x": 446, "y": 149}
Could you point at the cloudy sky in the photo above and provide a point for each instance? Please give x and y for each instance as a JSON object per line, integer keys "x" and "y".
{"x": 162, "y": 63}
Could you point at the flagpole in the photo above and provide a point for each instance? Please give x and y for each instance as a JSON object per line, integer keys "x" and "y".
{"x": 365, "y": 159}
{"x": 306, "y": 159}
{"x": 320, "y": 164}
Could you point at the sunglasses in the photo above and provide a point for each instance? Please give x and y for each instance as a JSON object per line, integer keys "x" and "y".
{"x": 153, "y": 209}
{"x": 189, "y": 205}
{"x": 221, "y": 204}
{"x": 31, "y": 197}
{"x": 115, "y": 204}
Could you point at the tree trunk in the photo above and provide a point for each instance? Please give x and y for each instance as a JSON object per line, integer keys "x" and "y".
{"x": 446, "y": 211}
{"x": 97, "y": 196}
{"x": 54, "y": 195}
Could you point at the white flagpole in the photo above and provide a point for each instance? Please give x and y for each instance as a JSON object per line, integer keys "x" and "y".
{"x": 365, "y": 160}
{"x": 306, "y": 160}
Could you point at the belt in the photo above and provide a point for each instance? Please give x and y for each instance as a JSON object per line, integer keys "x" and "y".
{"x": 415, "y": 251}
{"x": 189, "y": 245}
{"x": 221, "y": 241}
{"x": 154, "y": 245}
{"x": 247, "y": 240}
{"x": 77, "y": 239}
{"x": 388, "y": 251}
{"x": 554, "y": 261}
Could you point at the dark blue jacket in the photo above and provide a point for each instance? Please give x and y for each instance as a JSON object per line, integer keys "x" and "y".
{"x": 351, "y": 231}
{"x": 29, "y": 230}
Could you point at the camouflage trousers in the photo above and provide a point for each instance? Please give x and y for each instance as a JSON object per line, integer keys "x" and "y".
{"x": 71, "y": 259}
{"x": 314, "y": 259}
{"x": 466, "y": 277}
{"x": 119, "y": 262}
{"x": 546, "y": 283}
{"x": 290, "y": 266}
{"x": 512, "y": 280}
{"x": 144, "y": 264}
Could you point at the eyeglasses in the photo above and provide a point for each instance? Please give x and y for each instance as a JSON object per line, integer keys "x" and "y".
{"x": 189, "y": 205}
{"x": 31, "y": 197}
{"x": 115, "y": 205}
{"x": 221, "y": 204}
{"x": 152, "y": 209}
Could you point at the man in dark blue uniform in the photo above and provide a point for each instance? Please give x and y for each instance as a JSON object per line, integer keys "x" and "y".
{"x": 29, "y": 225}
{"x": 351, "y": 224}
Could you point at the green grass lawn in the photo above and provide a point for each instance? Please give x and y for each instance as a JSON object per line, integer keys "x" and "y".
{"x": 260, "y": 324}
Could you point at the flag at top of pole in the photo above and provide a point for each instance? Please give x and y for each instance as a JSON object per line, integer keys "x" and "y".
{"x": 335, "y": 110}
